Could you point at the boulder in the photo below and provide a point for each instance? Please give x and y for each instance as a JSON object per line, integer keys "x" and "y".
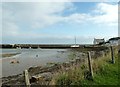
{"x": 43, "y": 76}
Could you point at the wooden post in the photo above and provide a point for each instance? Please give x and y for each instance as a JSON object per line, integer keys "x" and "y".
{"x": 27, "y": 81}
{"x": 103, "y": 53}
{"x": 90, "y": 65}
{"x": 112, "y": 54}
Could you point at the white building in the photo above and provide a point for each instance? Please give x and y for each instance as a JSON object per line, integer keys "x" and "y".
{"x": 98, "y": 41}
{"x": 114, "y": 41}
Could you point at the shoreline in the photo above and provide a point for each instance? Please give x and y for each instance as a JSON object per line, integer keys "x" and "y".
{"x": 47, "y": 71}
{"x": 40, "y": 70}
{"x": 8, "y": 55}
{"x": 49, "y": 67}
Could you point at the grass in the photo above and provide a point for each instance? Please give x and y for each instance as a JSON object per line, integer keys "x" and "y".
{"x": 105, "y": 73}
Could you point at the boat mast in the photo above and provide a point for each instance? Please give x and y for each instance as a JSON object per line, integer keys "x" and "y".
{"x": 75, "y": 40}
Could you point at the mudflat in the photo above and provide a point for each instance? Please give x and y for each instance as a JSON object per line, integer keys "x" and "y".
{"x": 8, "y": 55}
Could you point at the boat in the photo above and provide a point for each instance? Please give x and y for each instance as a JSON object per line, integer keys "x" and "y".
{"x": 75, "y": 45}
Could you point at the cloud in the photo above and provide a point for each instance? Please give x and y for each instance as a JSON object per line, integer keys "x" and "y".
{"x": 77, "y": 18}
{"x": 103, "y": 14}
{"x": 0, "y": 20}
{"x": 31, "y": 14}
{"x": 60, "y": 1}
{"x": 49, "y": 39}
{"x": 108, "y": 14}
{"x": 12, "y": 27}
{"x": 37, "y": 15}
{"x": 43, "y": 14}
{"x": 34, "y": 16}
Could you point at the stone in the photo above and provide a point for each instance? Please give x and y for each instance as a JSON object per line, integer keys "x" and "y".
{"x": 43, "y": 76}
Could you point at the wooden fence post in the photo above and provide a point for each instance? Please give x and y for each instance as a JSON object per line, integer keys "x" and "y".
{"x": 27, "y": 81}
{"x": 90, "y": 65}
{"x": 103, "y": 53}
{"x": 112, "y": 54}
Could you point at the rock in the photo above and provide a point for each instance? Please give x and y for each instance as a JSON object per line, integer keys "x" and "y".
{"x": 14, "y": 61}
{"x": 40, "y": 77}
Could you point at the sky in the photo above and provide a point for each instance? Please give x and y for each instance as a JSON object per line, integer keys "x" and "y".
{"x": 58, "y": 22}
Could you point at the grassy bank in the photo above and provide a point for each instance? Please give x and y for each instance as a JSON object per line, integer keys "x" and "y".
{"x": 105, "y": 73}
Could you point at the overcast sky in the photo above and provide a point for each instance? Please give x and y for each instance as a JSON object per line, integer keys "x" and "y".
{"x": 58, "y": 22}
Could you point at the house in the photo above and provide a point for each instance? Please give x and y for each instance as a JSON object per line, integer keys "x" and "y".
{"x": 114, "y": 41}
{"x": 98, "y": 41}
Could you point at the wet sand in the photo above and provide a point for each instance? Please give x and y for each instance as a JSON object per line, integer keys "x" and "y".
{"x": 8, "y": 55}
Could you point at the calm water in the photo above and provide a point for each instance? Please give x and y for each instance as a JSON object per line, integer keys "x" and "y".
{"x": 28, "y": 58}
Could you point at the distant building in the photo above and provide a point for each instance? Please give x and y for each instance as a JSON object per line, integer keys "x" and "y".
{"x": 114, "y": 41}
{"x": 98, "y": 41}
